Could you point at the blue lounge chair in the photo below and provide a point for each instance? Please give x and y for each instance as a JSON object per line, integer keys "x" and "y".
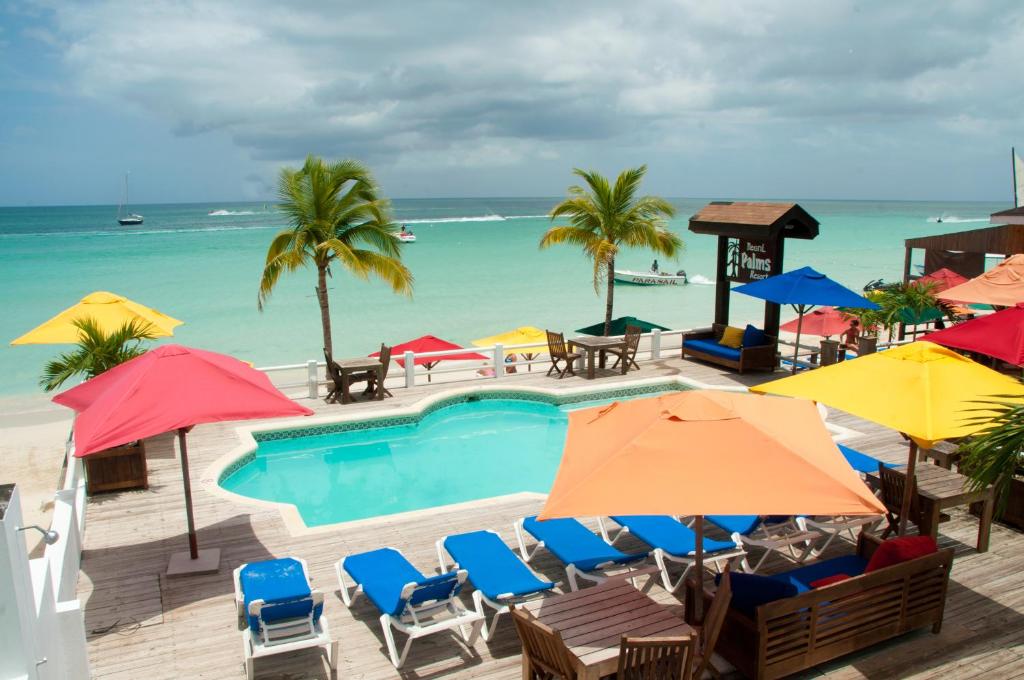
{"x": 772, "y": 534}
{"x": 861, "y": 462}
{"x": 581, "y": 551}
{"x": 500, "y": 578}
{"x": 408, "y": 601}
{"x": 672, "y": 541}
{"x": 281, "y": 612}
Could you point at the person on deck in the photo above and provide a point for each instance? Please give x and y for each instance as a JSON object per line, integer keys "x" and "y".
{"x": 850, "y": 338}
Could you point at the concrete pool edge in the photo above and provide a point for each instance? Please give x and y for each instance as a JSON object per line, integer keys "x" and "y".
{"x": 249, "y": 436}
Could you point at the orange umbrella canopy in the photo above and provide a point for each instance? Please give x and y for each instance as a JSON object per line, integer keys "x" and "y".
{"x": 1003, "y": 285}
{"x": 704, "y": 452}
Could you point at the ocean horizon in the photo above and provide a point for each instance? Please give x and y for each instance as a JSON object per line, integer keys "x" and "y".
{"x": 476, "y": 261}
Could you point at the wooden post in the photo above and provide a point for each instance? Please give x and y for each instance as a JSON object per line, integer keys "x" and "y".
{"x": 698, "y": 567}
{"x": 908, "y": 488}
{"x": 772, "y": 311}
{"x": 722, "y": 282}
{"x": 193, "y": 544}
{"x": 908, "y": 254}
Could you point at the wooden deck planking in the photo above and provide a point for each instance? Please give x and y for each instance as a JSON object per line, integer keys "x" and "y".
{"x": 185, "y": 628}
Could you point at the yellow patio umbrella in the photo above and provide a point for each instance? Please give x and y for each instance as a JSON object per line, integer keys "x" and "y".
{"x": 109, "y": 310}
{"x": 921, "y": 389}
{"x": 524, "y": 335}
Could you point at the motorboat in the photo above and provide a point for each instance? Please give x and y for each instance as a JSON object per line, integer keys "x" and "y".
{"x": 651, "y": 278}
{"x": 406, "y": 237}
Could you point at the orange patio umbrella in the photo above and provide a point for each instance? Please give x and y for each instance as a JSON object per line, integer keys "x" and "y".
{"x": 1003, "y": 285}
{"x": 704, "y": 452}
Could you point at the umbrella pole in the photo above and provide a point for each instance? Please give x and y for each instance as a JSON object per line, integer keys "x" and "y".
{"x": 193, "y": 544}
{"x": 908, "y": 488}
{"x": 698, "y": 566}
{"x": 799, "y": 328}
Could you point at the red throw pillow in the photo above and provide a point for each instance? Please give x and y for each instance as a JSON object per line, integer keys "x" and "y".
{"x": 829, "y": 580}
{"x": 902, "y": 549}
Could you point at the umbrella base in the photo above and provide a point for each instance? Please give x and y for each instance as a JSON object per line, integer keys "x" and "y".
{"x": 182, "y": 564}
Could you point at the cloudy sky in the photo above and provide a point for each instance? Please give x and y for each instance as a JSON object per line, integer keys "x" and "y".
{"x": 206, "y": 100}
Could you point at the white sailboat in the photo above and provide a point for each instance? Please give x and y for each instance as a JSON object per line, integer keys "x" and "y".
{"x": 124, "y": 217}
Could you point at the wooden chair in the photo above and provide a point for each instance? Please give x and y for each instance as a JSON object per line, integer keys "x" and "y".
{"x": 656, "y": 658}
{"x": 334, "y": 375}
{"x": 543, "y": 649}
{"x": 708, "y": 631}
{"x": 628, "y": 355}
{"x": 893, "y": 486}
{"x": 385, "y": 358}
{"x": 558, "y": 352}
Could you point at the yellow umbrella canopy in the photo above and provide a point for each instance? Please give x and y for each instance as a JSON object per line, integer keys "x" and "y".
{"x": 924, "y": 390}
{"x": 524, "y": 335}
{"x": 109, "y": 310}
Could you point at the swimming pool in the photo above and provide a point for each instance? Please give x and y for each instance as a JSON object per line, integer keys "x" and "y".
{"x": 478, "y": 447}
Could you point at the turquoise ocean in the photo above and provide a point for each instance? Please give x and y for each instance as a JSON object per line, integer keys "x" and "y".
{"x": 477, "y": 266}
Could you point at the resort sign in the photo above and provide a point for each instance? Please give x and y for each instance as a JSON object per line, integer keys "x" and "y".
{"x": 750, "y": 260}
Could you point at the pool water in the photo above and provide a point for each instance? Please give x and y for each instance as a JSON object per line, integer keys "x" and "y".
{"x": 463, "y": 452}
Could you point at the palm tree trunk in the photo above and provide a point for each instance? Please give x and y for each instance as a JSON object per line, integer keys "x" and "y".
{"x": 610, "y": 296}
{"x": 325, "y": 308}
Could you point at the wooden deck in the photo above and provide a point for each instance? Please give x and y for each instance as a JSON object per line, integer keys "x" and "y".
{"x": 142, "y": 625}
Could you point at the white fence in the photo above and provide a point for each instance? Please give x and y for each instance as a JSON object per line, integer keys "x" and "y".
{"x": 311, "y": 375}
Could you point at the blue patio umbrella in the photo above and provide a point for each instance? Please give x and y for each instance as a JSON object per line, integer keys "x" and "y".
{"x": 804, "y": 289}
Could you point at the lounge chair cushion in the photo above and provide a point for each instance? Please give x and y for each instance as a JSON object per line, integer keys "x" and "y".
{"x": 902, "y": 549}
{"x": 493, "y": 567}
{"x": 829, "y": 580}
{"x": 385, "y": 572}
{"x": 731, "y": 337}
{"x": 282, "y": 584}
{"x": 750, "y": 591}
{"x": 861, "y": 462}
{"x": 801, "y": 578}
{"x": 713, "y": 348}
{"x": 669, "y": 534}
{"x": 754, "y": 337}
{"x": 574, "y": 544}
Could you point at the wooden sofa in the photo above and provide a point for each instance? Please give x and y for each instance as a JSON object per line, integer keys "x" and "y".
{"x": 704, "y": 345}
{"x": 796, "y": 633}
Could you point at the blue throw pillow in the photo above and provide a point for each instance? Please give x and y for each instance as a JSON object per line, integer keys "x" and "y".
{"x": 754, "y": 337}
{"x": 750, "y": 591}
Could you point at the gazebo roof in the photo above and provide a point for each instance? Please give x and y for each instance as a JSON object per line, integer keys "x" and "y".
{"x": 754, "y": 220}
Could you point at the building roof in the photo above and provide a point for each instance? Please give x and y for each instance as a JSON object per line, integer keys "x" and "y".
{"x": 1011, "y": 216}
{"x": 1005, "y": 239}
{"x": 754, "y": 220}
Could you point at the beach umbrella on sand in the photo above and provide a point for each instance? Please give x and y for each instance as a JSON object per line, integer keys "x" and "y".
{"x": 704, "y": 452}
{"x": 109, "y": 310}
{"x": 804, "y": 289}
{"x": 942, "y": 279}
{"x": 824, "y": 321}
{"x": 172, "y": 388}
{"x": 925, "y": 391}
{"x": 430, "y": 343}
{"x": 618, "y": 326}
{"x": 524, "y": 335}
{"x": 1003, "y": 285}
{"x": 999, "y": 335}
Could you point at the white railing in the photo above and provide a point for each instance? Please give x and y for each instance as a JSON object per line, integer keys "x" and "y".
{"x": 311, "y": 374}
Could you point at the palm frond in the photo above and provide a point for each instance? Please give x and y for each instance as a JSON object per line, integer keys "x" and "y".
{"x": 96, "y": 352}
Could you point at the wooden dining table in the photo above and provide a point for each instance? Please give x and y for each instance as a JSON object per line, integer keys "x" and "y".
{"x": 599, "y": 345}
{"x": 939, "y": 489}
{"x": 350, "y": 367}
{"x": 592, "y": 622}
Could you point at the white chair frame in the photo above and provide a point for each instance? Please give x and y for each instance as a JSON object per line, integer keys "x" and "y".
{"x": 419, "y": 620}
{"x": 784, "y": 543}
{"x": 834, "y": 526}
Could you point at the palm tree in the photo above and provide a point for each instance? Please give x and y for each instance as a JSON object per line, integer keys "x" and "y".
{"x": 96, "y": 352}
{"x": 995, "y": 456}
{"x": 337, "y": 215}
{"x": 604, "y": 218}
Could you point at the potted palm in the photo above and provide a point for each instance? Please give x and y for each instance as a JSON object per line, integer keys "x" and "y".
{"x": 122, "y": 467}
{"x": 996, "y": 457}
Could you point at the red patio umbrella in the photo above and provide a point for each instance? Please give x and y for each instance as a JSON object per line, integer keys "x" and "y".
{"x": 824, "y": 321}
{"x": 171, "y": 388}
{"x": 430, "y": 343}
{"x": 943, "y": 279}
{"x": 999, "y": 335}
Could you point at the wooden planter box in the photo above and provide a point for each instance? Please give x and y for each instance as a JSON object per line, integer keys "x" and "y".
{"x": 116, "y": 469}
{"x": 1014, "y": 512}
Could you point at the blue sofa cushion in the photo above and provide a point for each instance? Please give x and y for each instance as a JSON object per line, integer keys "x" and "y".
{"x": 754, "y": 337}
{"x": 802, "y": 577}
{"x": 750, "y": 591}
{"x": 283, "y": 587}
{"x": 713, "y": 348}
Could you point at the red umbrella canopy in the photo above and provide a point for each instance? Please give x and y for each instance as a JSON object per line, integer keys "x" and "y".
{"x": 943, "y": 279}
{"x": 824, "y": 321}
{"x": 999, "y": 335}
{"x": 168, "y": 388}
{"x": 430, "y": 343}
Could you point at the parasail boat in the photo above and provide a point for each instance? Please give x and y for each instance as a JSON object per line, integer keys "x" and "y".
{"x": 651, "y": 278}
{"x": 406, "y": 235}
